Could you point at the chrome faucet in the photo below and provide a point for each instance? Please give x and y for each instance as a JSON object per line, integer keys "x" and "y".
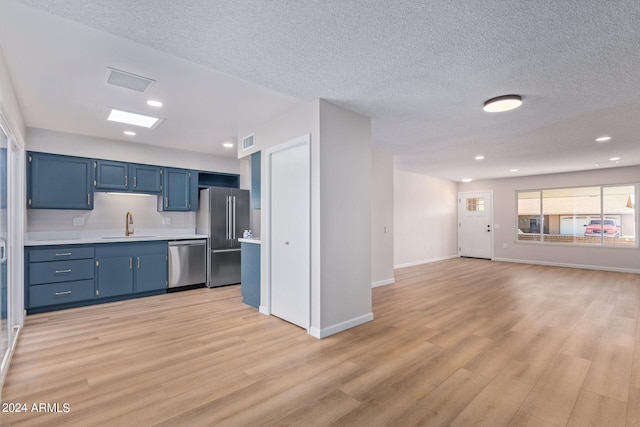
{"x": 128, "y": 221}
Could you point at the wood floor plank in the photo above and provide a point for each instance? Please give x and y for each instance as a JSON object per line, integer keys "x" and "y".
{"x": 461, "y": 342}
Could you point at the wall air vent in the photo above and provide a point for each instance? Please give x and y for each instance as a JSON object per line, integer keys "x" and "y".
{"x": 248, "y": 141}
{"x": 128, "y": 80}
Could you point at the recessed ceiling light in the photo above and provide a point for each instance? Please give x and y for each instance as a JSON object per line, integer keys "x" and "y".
{"x": 132, "y": 118}
{"x": 227, "y": 145}
{"x": 513, "y": 170}
{"x": 154, "y": 103}
{"x": 129, "y": 132}
{"x": 502, "y": 103}
{"x": 479, "y": 157}
{"x": 603, "y": 139}
{"x": 467, "y": 179}
{"x": 614, "y": 159}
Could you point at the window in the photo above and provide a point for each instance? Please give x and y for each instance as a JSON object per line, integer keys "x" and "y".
{"x": 595, "y": 215}
{"x": 475, "y": 205}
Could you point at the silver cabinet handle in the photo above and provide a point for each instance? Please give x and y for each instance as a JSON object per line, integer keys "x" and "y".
{"x": 3, "y": 248}
{"x": 64, "y": 254}
{"x": 88, "y": 199}
{"x": 126, "y": 180}
{"x": 63, "y": 271}
{"x": 63, "y": 293}
{"x": 166, "y": 201}
{"x": 135, "y": 182}
{"x": 138, "y": 262}
{"x": 130, "y": 263}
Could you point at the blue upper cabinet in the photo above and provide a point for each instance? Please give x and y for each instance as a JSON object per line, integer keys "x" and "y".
{"x": 255, "y": 180}
{"x": 177, "y": 190}
{"x": 145, "y": 179}
{"x": 59, "y": 182}
{"x": 112, "y": 176}
{"x": 126, "y": 177}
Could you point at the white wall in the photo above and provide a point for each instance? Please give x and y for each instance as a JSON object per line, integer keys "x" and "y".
{"x": 340, "y": 209}
{"x": 425, "y": 218}
{"x": 49, "y": 141}
{"x": 108, "y": 213}
{"x": 345, "y": 172}
{"x": 505, "y": 221}
{"x": 109, "y": 210}
{"x": 9, "y": 107}
{"x": 381, "y": 218}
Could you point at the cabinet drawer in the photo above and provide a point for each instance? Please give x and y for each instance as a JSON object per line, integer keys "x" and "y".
{"x": 60, "y": 293}
{"x": 60, "y": 271}
{"x": 60, "y": 254}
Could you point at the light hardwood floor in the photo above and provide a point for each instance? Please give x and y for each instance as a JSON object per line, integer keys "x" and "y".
{"x": 461, "y": 342}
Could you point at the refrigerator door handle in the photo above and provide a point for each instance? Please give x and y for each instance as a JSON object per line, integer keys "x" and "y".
{"x": 234, "y": 217}
{"x": 226, "y": 220}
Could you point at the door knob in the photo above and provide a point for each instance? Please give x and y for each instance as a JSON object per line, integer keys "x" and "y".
{"x": 286, "y": 243}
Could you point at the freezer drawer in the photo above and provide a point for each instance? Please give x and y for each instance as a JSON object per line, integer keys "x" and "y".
{"x": 187, "y": 262}
{"x": 225, "y": 267}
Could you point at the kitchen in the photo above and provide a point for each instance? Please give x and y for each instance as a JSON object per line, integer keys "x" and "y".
{"x": 232, "y": 109}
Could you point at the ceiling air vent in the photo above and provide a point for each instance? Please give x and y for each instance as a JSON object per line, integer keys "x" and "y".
{"x": 128, "y": 80}
{"x": 248, "y": 141}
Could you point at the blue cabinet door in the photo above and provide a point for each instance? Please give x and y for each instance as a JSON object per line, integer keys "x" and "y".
{"x": 146, "y": 179}
{"x": 255, "y": 180}
{"x": 115, "y": 276}
{"x": 59, "y": 182}
{"x": 177, "y": 190}
{"x": 151, "y": 272}
{"x": 250, "y": 274}
{"x": 112, "y": 175}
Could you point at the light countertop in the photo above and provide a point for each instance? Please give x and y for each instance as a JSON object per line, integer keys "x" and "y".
{"x": 43, "y": 238}
{"x": 256, "y": 241}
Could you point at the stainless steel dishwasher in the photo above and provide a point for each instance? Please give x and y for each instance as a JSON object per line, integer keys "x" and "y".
{"x": 187, "y": 262}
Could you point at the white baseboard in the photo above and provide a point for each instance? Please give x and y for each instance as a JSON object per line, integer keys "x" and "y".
{"x": 561, "y": 264}
{"x": 425, "y": 261}
{"x": 383, "y": 282}
{"x": 339, "y": 327}
{"x": 264, "y": 310}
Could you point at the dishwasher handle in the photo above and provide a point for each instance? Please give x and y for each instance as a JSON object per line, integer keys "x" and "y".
{"x": 201, "y": 242}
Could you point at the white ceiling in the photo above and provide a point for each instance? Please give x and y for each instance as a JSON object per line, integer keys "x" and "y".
{"x": 420, "y": 69}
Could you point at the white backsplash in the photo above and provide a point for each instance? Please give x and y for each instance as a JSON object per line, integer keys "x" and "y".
{"x": 109, "y": 211}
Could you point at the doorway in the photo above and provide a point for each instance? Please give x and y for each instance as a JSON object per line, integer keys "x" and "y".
{"x": 475, "y": 224}
{"x": 289, "y": 230}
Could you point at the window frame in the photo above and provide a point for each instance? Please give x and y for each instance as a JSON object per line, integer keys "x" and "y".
{"x": 602, "y": 243}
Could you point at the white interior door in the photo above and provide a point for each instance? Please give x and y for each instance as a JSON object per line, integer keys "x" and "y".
{"x": 290, "y": 231}
{"x": 475, "y": 224}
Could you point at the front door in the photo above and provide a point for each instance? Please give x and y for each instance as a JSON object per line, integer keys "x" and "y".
{"x": 475, "y": 224}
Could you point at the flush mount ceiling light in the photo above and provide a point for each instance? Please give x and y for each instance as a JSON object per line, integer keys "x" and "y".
{"x": 154, "y": 103}
{"x": 227, "y": 145}
{"x": 132, "y": 118}
{"x": 479, "y": 157}
{"x": 467, "y": 179}
{"x": 603, "y": 139}
{"x": 502, "y": 103}
{"x": 614, "y": 159}
{"x": 513, "y": 170}
{"x": 129, "y": 133}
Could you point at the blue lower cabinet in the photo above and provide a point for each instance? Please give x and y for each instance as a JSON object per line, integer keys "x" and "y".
{"x": 59, "y": 277}
{"x": 250, "y": 274}
{"x": 115, "y": 275}
{"x": 131, "y": 268}
{"x": 151, "y": 272}
{"x": 60, "y": 293}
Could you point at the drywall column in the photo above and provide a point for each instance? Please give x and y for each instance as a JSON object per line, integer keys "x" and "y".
{"x": 381, "y": 219}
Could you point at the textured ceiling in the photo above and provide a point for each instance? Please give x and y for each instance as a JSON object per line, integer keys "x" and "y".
{"x": 421, "y": 70}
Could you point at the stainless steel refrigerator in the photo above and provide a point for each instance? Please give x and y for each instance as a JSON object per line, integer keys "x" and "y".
{"x": 223, "y": 215}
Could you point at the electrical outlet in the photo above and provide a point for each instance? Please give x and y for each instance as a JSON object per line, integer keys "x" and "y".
{"x": 78, "y": 222}
{"x": 166, "y": 220}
